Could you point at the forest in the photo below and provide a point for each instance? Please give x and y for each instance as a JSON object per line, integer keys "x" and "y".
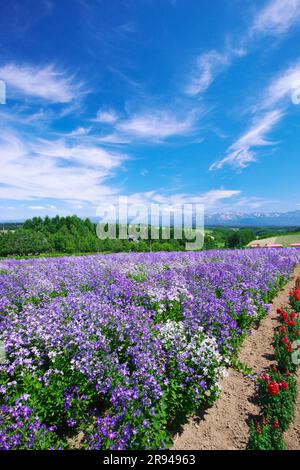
{"x": 72, "y": 235}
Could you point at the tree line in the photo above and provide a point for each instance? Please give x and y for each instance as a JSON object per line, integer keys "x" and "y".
{"x": 71, "y": 235}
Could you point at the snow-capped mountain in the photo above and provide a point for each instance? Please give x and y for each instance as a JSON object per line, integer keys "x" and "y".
{"x": 291, "y": 218}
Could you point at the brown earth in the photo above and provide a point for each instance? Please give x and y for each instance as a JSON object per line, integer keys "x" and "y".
{"x": 225, "y": 424}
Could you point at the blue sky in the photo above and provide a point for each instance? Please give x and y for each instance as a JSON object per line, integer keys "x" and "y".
{"x": 162, "y": 101}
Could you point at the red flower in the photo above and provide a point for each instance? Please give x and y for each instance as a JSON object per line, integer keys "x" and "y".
{"x": 284, "y": 340}
{"x": 297, "y": 294}
{"x": 284, "y": 385}
{"x": 283, "y": 316}
{"x": 258, "y": 430}
{"x": 275, "y": 425}
{"x": 265, "y": 377}
{"x": 273, "y": 388}
{"x": 289, "y": 348}
{"x": 282, "y": 329}
{"x": 292, "y": 323}
{"x": 293, "y": 315}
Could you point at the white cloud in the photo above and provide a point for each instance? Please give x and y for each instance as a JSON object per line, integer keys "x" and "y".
{"x": 208, "y": 65}
{"x": 243, "y": 151}
{"x": 36, "y": 208}
{"x": 79, "y": 131}
{"x": 210, "y": 198}
{"x": 252, "y": 202}
{"x": 108, "y": 116}
{"x": 87, "y": 156}
{"x": 54, "y": 169}
{"x": 113, "y": 138}
{"x": 277, "y": 17}
{"x": 283, "y": 89}
{"x": 47, "y": 83}
{"x": 25, "y": 116}
{"x": 213, "y": 196}
{"x": 157, "y": 124}
{"x": 46, "y": 207}
{"x": 285, "y": 86}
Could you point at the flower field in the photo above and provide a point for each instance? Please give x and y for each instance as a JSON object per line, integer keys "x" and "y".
{"x": 109, "y": 351}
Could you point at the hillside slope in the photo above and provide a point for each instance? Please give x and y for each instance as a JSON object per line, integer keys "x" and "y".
{"x": 284, "y": 240}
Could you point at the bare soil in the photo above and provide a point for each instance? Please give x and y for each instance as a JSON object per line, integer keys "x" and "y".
{"x": 224, "y": 426}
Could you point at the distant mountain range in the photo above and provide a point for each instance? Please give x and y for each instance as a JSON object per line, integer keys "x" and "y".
{"x": 238, "y": 219}
{"x": 246, "y": 219}
{"x": 233, "y": 219}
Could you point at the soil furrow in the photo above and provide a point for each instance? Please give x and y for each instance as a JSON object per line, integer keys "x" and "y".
{"x": 225, "y": 424}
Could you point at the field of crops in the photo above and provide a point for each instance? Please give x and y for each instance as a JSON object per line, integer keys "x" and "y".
{"x": 109, "y": 352}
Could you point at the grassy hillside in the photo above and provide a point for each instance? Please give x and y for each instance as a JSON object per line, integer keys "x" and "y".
{"x": 284, "y": 240}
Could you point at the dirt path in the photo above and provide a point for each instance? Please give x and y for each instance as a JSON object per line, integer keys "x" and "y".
{"x": 225, "y": 424}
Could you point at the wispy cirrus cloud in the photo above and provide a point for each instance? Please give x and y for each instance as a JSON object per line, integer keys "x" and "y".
{"x": 54, "y": 169}
{"x": 48, "y": 207}
{"x": 87, "y": 156}
{"x": 285, "y": 87}
{"x": 79, "y": 132}
{"x": 207, "y": 67}
{"x": 242, "y": 152}
{"x": 26, "y": 116}
{"x": 276, "y": 17}
{"x": 253, "y": 202}
{"x": 106, "y": 116}
{"x": 47, "y": 83}
{"x": 158, "y": 124}
{"x": 113, "y": 138}
{"x": 153, "y": 125}
{"x": 210, "y": 199}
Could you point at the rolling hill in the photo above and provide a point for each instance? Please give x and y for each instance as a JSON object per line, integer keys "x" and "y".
{"x": 284, "y": 240}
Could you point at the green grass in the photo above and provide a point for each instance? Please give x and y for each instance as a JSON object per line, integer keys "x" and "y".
{"x": 53, "y": 255}
{"x": 284, "y": 240}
